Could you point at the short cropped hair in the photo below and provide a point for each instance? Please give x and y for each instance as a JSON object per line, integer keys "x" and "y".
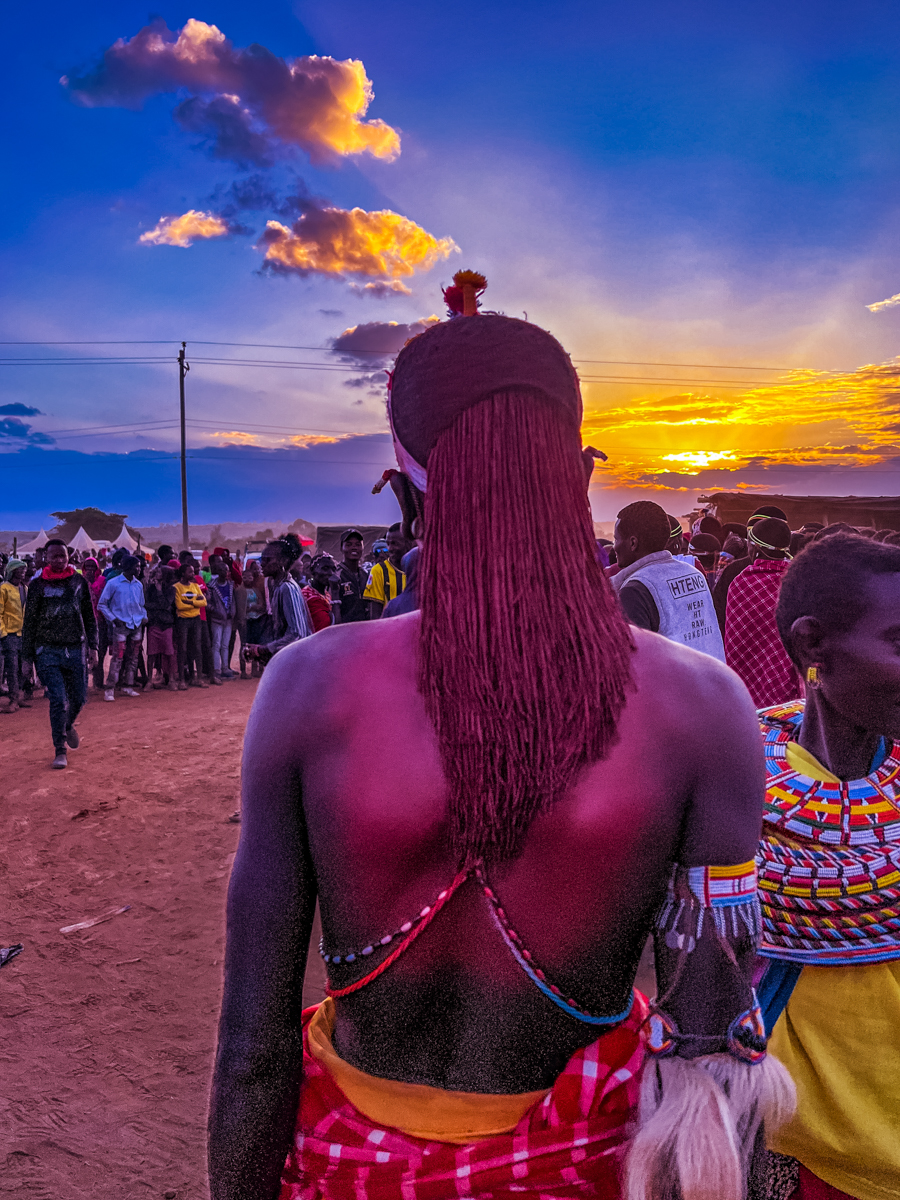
{"x": 647, "y": 522}
{"x": 830, "y": 530}
{"x": 766, "y": 510}
{"x": 54, "y": 542}
{"x": 827, "y": 581}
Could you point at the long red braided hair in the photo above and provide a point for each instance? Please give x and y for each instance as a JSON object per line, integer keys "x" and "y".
{"x": 525, "y": 657}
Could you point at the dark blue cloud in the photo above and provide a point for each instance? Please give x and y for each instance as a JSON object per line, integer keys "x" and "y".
{"x": 18, "y": 410}
{"x": 14, "y": 430}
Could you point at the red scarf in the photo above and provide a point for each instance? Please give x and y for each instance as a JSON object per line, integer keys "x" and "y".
{"x": 66, "y": 574}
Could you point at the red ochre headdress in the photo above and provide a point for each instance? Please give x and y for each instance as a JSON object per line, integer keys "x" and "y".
{"x": 458, "y": 363}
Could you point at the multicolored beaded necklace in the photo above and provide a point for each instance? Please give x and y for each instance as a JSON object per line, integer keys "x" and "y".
{"x": 836, "y": 900}
{"x": 416, "y": 925}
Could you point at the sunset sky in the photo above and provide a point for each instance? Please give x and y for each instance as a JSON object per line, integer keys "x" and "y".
{"x": 699, "y": 200}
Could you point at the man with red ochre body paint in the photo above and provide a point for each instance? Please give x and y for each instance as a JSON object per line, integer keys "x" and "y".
{"x": 485, "y": 903}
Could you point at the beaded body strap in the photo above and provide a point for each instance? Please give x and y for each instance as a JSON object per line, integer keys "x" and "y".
{"x": 417, "y": 926}
{"x": 412, "y": 928}
{"x": 724, "y": 899}
{"x": 526, "y": 961}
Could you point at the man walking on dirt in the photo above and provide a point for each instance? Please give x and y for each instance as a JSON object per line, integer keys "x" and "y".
{"x": 60, "y": 637}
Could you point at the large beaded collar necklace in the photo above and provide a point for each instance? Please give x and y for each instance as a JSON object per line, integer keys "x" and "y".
{"x": 829, "y": 858}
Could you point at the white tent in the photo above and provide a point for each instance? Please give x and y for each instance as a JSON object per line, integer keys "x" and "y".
{"x": 125, "y": 540}
{"x": 81, "y": 541}
{"x": 37, "y": 543}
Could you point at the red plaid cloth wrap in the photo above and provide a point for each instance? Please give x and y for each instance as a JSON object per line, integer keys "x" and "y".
{"x": 571, "y": 1144}
{"x": 752, "y": 645}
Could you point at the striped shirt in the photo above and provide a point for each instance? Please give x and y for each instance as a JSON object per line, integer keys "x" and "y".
{"x": 290, "y": 616}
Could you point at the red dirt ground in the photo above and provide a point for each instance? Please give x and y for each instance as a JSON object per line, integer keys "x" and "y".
{"x": 108, "y": 1033}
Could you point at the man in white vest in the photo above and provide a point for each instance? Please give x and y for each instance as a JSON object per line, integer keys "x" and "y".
{"x": 656, "y": 590}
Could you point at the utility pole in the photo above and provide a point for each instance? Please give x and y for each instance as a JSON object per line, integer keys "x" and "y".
{"x": 183, "y": 369}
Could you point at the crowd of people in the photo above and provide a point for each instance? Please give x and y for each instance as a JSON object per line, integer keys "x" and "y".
{"x": 555, "y": 792}
{"x": 128, "y": 623}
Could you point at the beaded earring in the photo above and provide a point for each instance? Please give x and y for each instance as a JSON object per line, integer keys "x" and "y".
{"x": 812, "y": 676}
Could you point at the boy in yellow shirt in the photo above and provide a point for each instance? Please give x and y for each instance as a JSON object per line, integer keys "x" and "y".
{"x": 12, "y": 602}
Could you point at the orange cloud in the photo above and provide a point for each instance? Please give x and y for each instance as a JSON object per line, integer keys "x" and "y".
{"x": 251, "y": 105}
{"x": 337, "y": 241}
{"x": 890, "y": 303}
{"x": 239, "y": 437}
{"x": 181, "y": 231}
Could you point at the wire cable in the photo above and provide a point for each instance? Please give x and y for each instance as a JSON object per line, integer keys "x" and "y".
{"x": 618, "y": 362}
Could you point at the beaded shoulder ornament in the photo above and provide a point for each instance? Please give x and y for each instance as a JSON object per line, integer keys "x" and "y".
{"x": 829, "y": 857}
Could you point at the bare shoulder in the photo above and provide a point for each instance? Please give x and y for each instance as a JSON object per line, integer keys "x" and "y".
{"x": 703, "y": 710}
{"x": 691, "y": 689}
{"x": 313, "y": 685}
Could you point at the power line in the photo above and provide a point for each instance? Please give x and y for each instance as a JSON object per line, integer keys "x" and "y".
{"x": 617, "y": 362}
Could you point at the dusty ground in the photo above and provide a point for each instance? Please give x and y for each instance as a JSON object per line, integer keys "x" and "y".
{"x": 108, "y": 1033}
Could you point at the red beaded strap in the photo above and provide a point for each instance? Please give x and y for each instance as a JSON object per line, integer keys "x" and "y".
{"x": 460, "y": 879}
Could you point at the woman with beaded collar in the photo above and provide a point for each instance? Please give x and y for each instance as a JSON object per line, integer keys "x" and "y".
{"x": 829, "y": 870}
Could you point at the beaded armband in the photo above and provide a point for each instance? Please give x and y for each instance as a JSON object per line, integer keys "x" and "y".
{"x": 724, "y": 901}
{"x": 726, "y": 896}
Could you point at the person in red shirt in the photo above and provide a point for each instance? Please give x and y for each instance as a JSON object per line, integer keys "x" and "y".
{"x": 322, "y": 573}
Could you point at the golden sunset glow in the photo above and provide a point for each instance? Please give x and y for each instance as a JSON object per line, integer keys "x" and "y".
{"x": 183, "y": 230}
{"x": 301, "y": 441}
{"x": 335, "y": 241}
{"x": 804, "y": 418}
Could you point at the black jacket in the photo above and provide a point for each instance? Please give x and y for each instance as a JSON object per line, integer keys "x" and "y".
{"x": 58, "y": 612}
{"x": 160, "y": 604}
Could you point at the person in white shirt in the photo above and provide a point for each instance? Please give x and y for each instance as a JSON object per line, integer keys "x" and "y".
{"x": 122, "y": 604}
{"x": 660, "y": 592}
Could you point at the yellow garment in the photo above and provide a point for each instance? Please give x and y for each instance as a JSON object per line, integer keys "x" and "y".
{"x": 414, "y": 1108}
{"x": 183, "y": 606}
{"x": 804, "y": 763}
{"x": 839, "y": 1038}
{"x": 385, "y": 582}
{"x": 10, "y": 609}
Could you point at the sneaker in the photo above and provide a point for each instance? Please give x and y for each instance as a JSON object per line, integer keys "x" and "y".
{"x": 60, "y": 761}
{"x": 203, "y": 684}
{"x": 10, "y": 708}
{"x": 174, "y": 687}
{"x": 129, "y": 692}
{"x": 109, "y": 695}
{"x": 216, "y": 680}
{"x": 181, "y": 687}
{"x": 72, "y": 737}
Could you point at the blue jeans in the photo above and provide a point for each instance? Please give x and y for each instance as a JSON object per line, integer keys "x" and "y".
{"x": 11, "y": 651}
{"x": 220, "y": 632}
{"x": 61, "y": 669}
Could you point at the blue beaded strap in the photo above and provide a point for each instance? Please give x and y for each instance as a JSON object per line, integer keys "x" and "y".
{"x": 554, "y": 994}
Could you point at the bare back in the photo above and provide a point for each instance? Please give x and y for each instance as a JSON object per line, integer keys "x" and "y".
{"x": 345, "y": 801}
